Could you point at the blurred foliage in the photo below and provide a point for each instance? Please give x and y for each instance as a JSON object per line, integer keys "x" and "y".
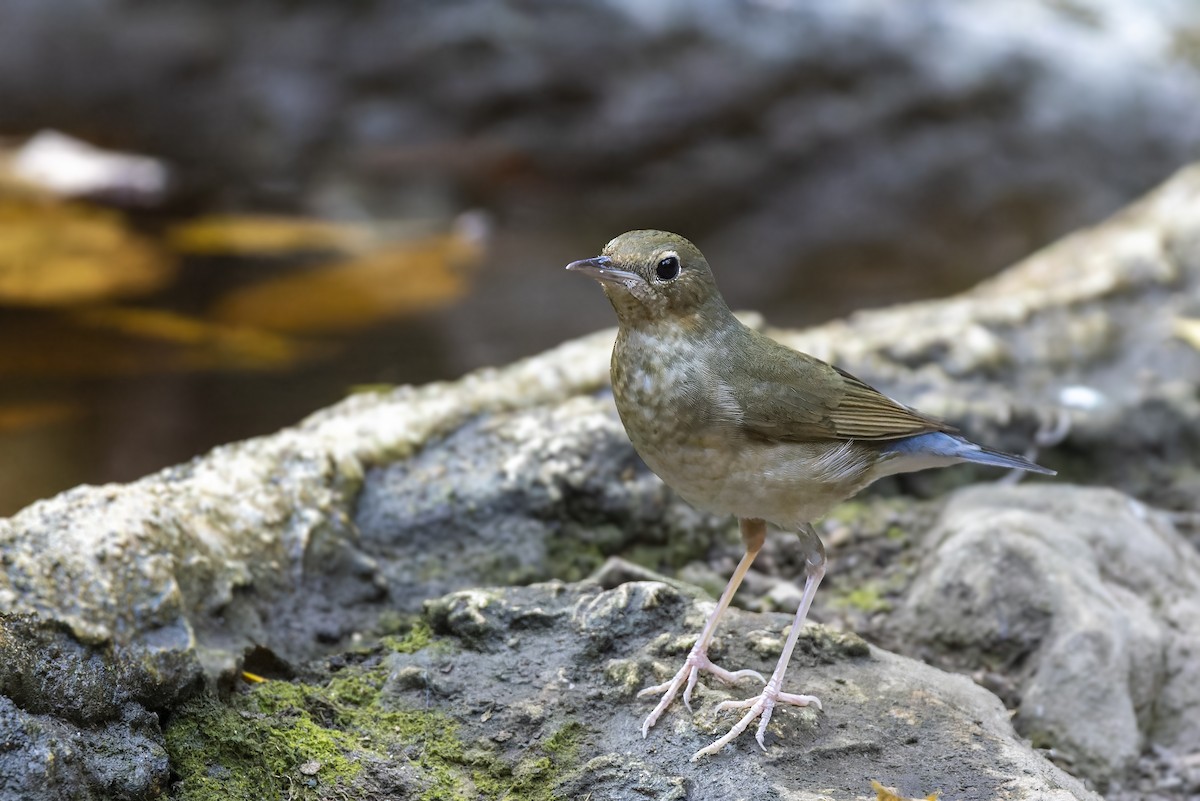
{"x": 72, "y": 259}
{"x": 264, "y": 235}
{"x": 55, "y": 253}
{"x": 110, "y": 303}
{"x": 101, "y": 342}
{"x": 393, "y": 280}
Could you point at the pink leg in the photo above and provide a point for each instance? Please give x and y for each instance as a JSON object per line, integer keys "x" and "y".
{"x": 754, "y": 533}
{"x": 762, "y": 705}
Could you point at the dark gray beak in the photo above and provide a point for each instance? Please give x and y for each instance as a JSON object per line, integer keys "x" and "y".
{"x": 601, "y": 268}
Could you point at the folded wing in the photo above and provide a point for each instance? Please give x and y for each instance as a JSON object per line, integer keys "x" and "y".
{"x": 788, "y": 396}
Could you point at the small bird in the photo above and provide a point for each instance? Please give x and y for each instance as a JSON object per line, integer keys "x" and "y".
{"x": 736, "y": 423}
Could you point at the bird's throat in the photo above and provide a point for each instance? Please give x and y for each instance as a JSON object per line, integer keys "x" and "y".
{"x": 652, "y": 316}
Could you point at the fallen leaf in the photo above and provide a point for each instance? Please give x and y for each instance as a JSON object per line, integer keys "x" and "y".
{"x": 59, "y": 254}
{"x": 388, "y": 282}
{"x": 888, "y": 794}
{"x": 265, "y": 235}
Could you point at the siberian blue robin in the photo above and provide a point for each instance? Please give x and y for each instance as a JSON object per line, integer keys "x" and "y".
{"x": 739, "y": 424}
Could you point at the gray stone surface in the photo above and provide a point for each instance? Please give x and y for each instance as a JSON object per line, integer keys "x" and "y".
{"x": 46, "y": 757}
{"x": 544, "y": 493}
{"x": 1090, "y": 598}
{"x": 541, "y": 656}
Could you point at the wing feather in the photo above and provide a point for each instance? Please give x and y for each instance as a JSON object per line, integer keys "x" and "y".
{"x": 788, "y": 396}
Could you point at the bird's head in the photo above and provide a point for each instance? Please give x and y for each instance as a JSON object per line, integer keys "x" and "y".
{"x": 655, "y": 276}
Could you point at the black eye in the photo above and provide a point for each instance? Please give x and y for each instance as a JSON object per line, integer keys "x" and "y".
{"x": 668, "y": 268}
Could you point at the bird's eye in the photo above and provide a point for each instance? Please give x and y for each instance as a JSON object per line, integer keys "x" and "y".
{"x": 668, "y": 269}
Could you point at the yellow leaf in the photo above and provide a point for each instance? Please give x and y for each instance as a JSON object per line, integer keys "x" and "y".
{"x": 57, "y": 254}
{"x": 888, "y": 794}
{"x": 264, "y": 235}
{"x": 390, "y": 281}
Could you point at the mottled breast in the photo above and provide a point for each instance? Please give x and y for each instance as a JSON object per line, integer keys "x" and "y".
{"x": 682, "y": 420}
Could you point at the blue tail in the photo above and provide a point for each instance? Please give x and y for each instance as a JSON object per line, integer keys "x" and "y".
{"x": 937, "y": 449}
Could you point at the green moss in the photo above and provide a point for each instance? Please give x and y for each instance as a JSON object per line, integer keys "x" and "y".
{"x": 228, "y": 752}
{"x": 848, "y": 512}
{"x": 867, "y": 598}
{"x": 392, "y": 622}
{"x": 624, "y": 673}
{"x": 565, "y": 741}
{"x": 281, "y": 739}
{"x": 418, "y": 638}
{"x": 533, "y": 778}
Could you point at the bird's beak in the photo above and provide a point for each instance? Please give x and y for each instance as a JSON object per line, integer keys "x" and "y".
{"x": 601, "y": 268}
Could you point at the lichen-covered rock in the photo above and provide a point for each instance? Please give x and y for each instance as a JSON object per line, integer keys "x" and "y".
{"x": 1088, "y": 597}
{"x": 531, "y": 692}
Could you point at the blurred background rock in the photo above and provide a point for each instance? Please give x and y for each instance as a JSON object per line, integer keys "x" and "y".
{"x": 320, "y": 196}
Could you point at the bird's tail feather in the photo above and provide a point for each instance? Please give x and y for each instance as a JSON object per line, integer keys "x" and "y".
{"x": 997, "y": 458}
{"x": 938, "y": 448}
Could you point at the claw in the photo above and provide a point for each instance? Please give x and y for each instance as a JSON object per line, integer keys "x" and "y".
{"x": 761, "y": 707}
{"x": 690, "y": 672}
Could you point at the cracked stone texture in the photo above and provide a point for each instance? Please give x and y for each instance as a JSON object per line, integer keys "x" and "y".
{"x": 1089, "y": 597}
{"x": 294, "y": 545}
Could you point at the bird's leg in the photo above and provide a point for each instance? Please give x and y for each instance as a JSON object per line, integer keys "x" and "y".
{"x": 761, "y": 705}
{"x": 754, "y": 533}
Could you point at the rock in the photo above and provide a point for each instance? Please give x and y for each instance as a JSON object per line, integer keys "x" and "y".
{"x": 532, "y": 689}
{"x": 289, "y": 548}
{"x": 1090, "y": 598}
{"x": 46, "y": 670}
{"x": 548, "y": 492}
{"x": 45, "y": 758}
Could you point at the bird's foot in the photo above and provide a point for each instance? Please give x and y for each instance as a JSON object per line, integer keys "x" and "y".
{"x": 696, "y": 662}
{"x": 760, "y": 706}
